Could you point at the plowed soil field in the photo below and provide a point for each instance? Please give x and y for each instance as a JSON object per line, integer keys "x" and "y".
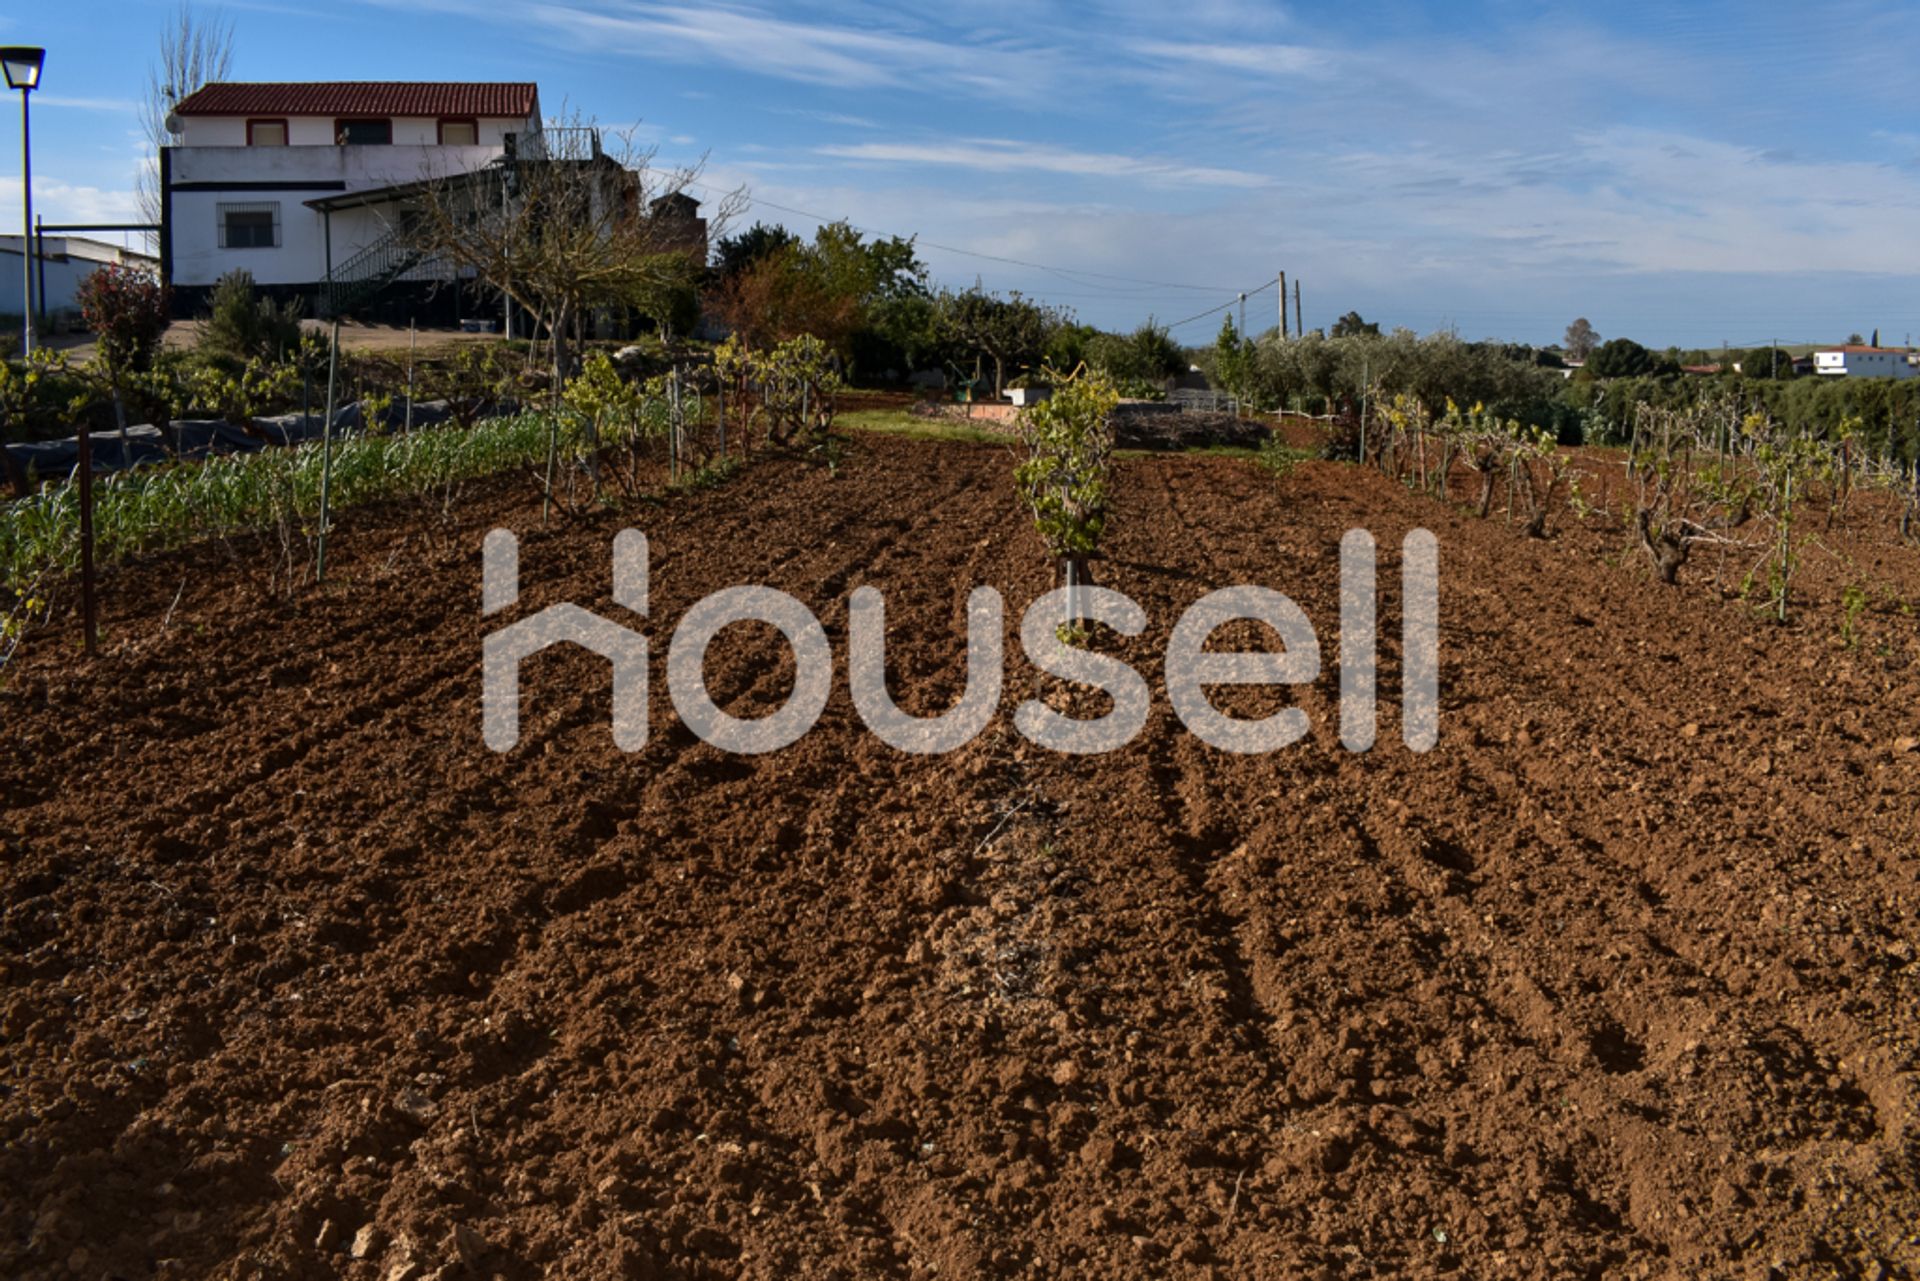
{"x": 299, "y": 979}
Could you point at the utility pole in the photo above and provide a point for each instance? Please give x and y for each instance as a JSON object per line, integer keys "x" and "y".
{"x": 1283, "y": 305}
{"x": 1299, "y": 325}
{"x": 1773, "y": 357}
{"x": 1243, "y": 317}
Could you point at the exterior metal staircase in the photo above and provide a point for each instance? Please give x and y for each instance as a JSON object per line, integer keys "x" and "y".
{"x": 362, "y": 277}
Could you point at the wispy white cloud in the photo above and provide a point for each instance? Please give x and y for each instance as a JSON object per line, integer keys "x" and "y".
{"x": 126, "y": 105}
{"x": 819, "y": 53}
{"x": 1262, "y": 59}
{"x": 1002, "y": 155}
{"x": 829, "y": 117}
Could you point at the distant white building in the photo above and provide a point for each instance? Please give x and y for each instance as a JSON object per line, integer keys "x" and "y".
{"x": 1854, "y": 360}
{"x": 63, "y": 262}
{"x": 296, "y": 182}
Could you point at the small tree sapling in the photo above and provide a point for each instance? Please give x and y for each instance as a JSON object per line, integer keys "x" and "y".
{"x": 1068, "y": 439}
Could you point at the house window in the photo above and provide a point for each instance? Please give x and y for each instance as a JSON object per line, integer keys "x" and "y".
{"x": 459, "y": 133}
{"x": 359, "y": 133}
{"x": 250, "y": 226}
{"x": 266, "y": 133}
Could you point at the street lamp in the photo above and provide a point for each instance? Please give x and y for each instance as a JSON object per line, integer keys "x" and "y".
{"x": 22, "y": 65}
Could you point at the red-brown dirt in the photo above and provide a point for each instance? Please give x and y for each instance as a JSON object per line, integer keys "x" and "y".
{"x": 301, "y": 980}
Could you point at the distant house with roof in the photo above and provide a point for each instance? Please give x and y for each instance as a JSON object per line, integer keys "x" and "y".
{"x": 1860, "y": 360}
{"x": 306, "y": 186}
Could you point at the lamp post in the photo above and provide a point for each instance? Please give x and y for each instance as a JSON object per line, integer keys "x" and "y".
{"x": 22, "y": 66}
{"x": 22, "y": 63}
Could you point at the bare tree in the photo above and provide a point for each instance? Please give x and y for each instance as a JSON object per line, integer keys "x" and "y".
{"x": 193, "y": 52}
{"x": 566, "y": 228}
{"x": 1581, "y": 339}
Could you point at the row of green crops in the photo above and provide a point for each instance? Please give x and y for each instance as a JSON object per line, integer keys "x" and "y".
{"x": 153, "y": 508}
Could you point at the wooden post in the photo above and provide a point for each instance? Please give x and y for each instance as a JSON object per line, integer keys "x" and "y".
{"x": 326, "y": 456}
{"x": 413, "y": 344}
{"x": 1786, "y": 543}
{"x": 1366, "y": 390}
{"x": 553, "y": 453}
{"x": 673, "y": 423}
{"x": 88, "y": 621}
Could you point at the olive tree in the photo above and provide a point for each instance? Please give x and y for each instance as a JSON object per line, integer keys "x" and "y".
{"x": 1009, "y": 331}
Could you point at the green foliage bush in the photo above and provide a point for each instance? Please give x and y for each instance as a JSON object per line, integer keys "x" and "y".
{"x": 1317, "y": 372}
{"x": 1068, "y": 439}
{"x": 244, "y": 325}
{"x": 1887, "y": 408}
{"x": 1620, "y": 358}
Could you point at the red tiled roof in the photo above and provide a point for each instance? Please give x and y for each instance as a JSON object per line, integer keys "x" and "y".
{"x": 362, "y": 98}
{"x": 1864, "y": 349}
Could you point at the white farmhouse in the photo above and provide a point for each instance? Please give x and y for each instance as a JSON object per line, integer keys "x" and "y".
{"x": 297, "y": 183}
{"x": 1855, "y": 360}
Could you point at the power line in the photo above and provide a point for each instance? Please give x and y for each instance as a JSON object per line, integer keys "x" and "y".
{"x": 1231, "y": 302}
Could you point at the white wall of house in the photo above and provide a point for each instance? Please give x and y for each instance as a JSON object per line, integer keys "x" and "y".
{"x": 1865, "y": 364}
{"x": 68, "y": 261}
{"x": 286, "y": 178}
{"x": 318, "y": 131}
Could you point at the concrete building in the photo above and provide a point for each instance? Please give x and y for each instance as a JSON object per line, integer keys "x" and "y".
{"x": 1853, "y": 360}
{"x": 64, "y": 261}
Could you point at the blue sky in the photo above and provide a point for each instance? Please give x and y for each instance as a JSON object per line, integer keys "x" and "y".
{"x": 1679, "y": 174}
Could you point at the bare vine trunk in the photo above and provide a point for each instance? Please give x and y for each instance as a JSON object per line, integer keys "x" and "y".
{"x": 1667, "y": 551}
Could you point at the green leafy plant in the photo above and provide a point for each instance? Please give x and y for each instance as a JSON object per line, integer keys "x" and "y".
{"x": 474, "y": 380}
{"x": 1233, "y": 361}
{"x": 1280, "y": 458}
{"x": 800, "y": 383}
{"x": 1068, "y": 442}
{"x": 1787, "y": 466}
{"x": 1541, "y": 472}
{"x": 608, "y": 410}
{"x": 1853, "y": 603}
{"x": 243, "y": 395}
